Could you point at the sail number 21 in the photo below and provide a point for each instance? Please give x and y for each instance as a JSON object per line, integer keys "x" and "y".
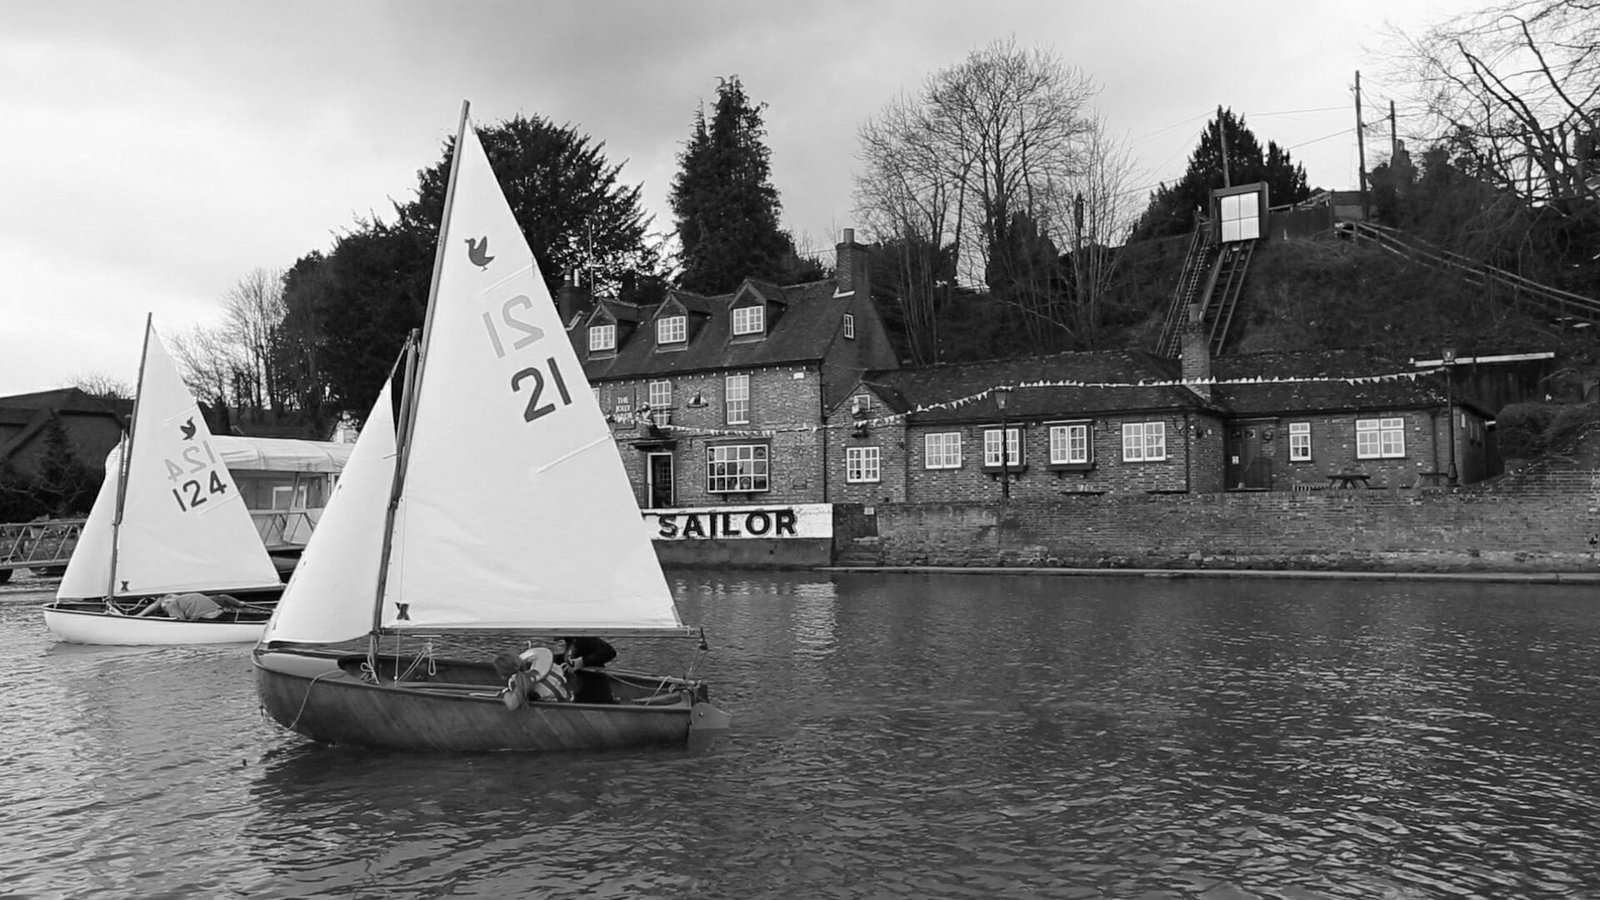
{"x": 525, "y": 333}
{"x": 535, "y": 379}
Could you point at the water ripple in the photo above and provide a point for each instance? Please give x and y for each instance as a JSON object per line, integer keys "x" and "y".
{"x": 894, "y": 736}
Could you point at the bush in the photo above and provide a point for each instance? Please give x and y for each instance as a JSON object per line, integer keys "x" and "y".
{"x": 1528, "y": 430}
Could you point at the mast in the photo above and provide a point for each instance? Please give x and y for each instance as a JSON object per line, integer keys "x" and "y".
{"x": 415, "y": 361}
{"x": 126, "y": 459}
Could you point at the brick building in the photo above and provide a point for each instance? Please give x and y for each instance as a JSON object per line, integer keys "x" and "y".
{"x": 92, "y": 426}
{"x": 1128, "y": 422}
{"x": 718, "y": 401}
{"x": 776, "y": 395}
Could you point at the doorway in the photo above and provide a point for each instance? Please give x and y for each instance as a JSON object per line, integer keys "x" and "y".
{"x": 658, "y": 481}
{"x": 1249, "y": 468}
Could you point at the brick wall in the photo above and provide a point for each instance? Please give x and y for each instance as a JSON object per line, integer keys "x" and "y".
{"x": 1333, "y": 449}
{"x": 1193, "y": 463}
{"x": 1545, "y": 517}
{"x": 784, "y": 399}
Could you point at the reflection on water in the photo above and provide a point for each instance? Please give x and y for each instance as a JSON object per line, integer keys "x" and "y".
{"x": 924, "y": 736}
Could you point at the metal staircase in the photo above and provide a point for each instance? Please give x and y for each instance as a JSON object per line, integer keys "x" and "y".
{"x": 1212, "y": 278}
{"x": 1222, "y": 294}
{"x": 1191, "y": 281}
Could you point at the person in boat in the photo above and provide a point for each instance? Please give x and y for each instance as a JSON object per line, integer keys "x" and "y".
{"x": 584, "y": 659}
{"x": 189, "y": 607}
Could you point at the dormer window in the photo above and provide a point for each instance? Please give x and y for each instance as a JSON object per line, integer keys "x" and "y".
{"x": 602, "y": 337}
{"x": 849, "y": 326}
{"x": 749, "y": 320}
{"x": 672, "y": 329}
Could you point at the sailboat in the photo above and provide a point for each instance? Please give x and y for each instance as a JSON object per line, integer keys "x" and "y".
{"x": 493, "y": 502}
{"x": 168, "y": 520}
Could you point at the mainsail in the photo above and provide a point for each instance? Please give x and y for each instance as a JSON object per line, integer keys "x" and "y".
{"x": 515, "y": 511}
{"x": 183, "y": 525}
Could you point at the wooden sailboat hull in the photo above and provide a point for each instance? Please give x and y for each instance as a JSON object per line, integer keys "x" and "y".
{"x": 460, "y": 707}
{"x": 90, "y": 626}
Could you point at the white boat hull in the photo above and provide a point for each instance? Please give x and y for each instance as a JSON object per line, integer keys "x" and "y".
{"x": 95, "y": 627}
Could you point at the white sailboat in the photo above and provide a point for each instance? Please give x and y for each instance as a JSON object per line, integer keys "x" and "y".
{"x": 168, "y": 520}
{"x": 496, "y": 502}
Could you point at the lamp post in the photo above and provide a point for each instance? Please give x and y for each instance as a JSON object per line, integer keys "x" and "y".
{"x": 1449, "y": 355}
{"x": 1001, "y": 396}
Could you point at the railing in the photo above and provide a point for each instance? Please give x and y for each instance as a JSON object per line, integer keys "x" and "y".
{"x": 42, "y": 543}
{"x": 50, "y": 542}
{"x": 283, "y": 529}
{"x": 1553, "y": 300}
{"x": 1196, "y": 264}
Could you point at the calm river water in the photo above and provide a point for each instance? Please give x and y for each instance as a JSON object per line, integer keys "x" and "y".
{"x": 894, "y": 736}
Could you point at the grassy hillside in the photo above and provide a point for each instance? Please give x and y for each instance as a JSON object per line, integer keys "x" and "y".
{"x": 1319, "y": 294}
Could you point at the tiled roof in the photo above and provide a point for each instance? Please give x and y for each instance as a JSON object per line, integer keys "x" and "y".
{"x": 1359, "y": 383}
{"x": 811, "y": 320}
{"x": 69, "y": 399}
{"x": 929, "y": 387}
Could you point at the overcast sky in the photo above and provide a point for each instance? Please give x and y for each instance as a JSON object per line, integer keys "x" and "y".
{"x": 156, "y": 152}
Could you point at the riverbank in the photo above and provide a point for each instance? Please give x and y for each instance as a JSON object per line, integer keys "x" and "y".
{"x": 1318, "y": 575}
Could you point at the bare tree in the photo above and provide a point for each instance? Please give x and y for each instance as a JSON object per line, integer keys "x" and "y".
{"x": 208, "y": 361}
{"x": 904, "y": 201}
{"x": 1101, "y": 216}
{"x": 236, "y": 360}
{"x": 976, "y": 164}
{"x": 1515, "y": 88}
{"x": 99, "y": 384}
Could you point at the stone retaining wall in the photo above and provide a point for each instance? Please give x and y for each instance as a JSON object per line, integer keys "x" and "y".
{"x": 1547, "y": 521}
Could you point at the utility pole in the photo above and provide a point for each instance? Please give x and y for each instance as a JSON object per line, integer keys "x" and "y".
{"x": 1361, "y": 148}
{"x": 1394, "y": 139}
{"x": 1086, "y": 297}
{"x": 1222, "y": 144}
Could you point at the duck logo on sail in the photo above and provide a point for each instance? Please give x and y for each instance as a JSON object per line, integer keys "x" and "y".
{"x": 188, "y": 429}
{"x": 478, "y": 251}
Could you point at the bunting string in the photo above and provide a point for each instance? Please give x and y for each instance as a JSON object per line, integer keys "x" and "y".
{"x": 645, "y": 416}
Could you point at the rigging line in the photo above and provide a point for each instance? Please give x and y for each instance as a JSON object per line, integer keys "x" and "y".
{"x": 1290, "y": 112}
{"x": 1172, "y": 126}
{"x": 1316, "y": 140}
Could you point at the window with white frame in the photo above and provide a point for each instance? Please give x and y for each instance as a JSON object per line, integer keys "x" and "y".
{"x": 1069, "y": 444}
{"x": 749, "y": 320}
{"x": 861, "y": 464}
{"x": 736, "y": 394}
{"x": 661, "y": 394}
{"x": 991, "y": 447}
{"x": 1144, "y": 441}
{"x": 942, "y": 450}
{"x": 602, "y": 337}
{"x": 672, "y": 329}
{"x": 1241, "y": 216}
{"x": 736, "y": 467}
{"x": 860, "y": 404}
{"x": 849, "y": 325}
{"x": 1299, "y": 442}
{"x": 1380, "y": 438}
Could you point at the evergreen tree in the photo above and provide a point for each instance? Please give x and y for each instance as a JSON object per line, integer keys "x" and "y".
{"x": 724, "y": 201}
{"x": 1172, "y": 209}
{"x": 348, "y": 311}
{"x": 64, "y": 486}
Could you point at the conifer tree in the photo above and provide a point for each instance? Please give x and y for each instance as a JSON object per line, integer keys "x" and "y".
{"x": 724, "y": 202}
{"x": 1172, "y": 209}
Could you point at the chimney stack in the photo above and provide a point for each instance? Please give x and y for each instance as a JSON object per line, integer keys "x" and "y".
{"x": 571, "y": 300}
{"x": 1196, "y": 352}
{"x": 852, "y": 270}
